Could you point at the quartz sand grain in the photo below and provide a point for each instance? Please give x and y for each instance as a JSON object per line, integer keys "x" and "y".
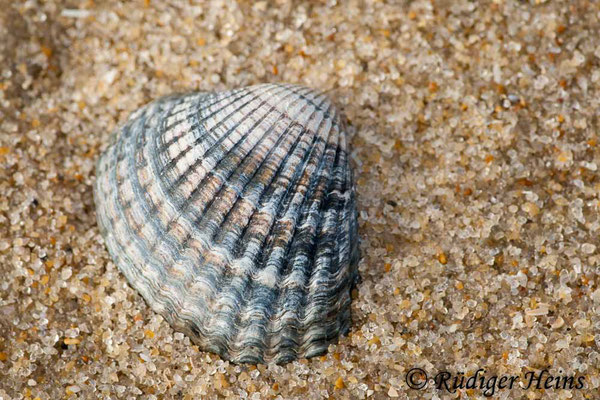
{"x": 474, "y": 132}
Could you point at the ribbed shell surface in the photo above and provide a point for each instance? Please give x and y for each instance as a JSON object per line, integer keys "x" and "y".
{"x": 233, "y": 214}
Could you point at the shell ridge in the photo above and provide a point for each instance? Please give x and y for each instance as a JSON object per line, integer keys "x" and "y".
{"x": 178, "y": 248}
{"x": 330, "y": 112}
{"x": 244, "y": 281}
{"x": 286, "y": 159}
{"x": 295, "y": 181}
{"x": 339, "y": 195}
{"x": 219, "y": 315}
{"x": 246, "y": 256}
{"x": 351, "y": 254}
{"x": 177, "y": 217}
{"x": 282, "y": 117}
{"x": 197, "y": 111}
{"x": 172, "y": 164}
{"x": 146, "y": 142}
{"x": 134, "y": 221}
{"x": 186, "y": 105}
{"x": 138, "y": 162}
{"x": 285, "y": 204}
{"x": 211, "y": 279}
{"x": 212, "y": 172}
{"x": 207, "y": 160}
{"x": 171, "y": 133}
{"x": 120, "y": 151}
{"x": 244, "y": 314}
{"x": 192, "y": 106}
{"x": 319, "y": 295}
{"x": 206, "y": 215}
{"x": 285, "y": 285}
{"x": 196, "y": 222}
{"x": 168, "y": 281}
{"x": 157, "y": 172}
{"x": 113, "y": 243}
{"x": 348, "y": 242}
{"x": 293, "y": 321}
{"x": 199, "y": 223}
{"x": 307, "y": 214}
{"x": 303, "y": 247}
{"x": 345, "y": 278}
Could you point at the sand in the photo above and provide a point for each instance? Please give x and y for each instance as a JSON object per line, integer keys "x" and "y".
{"x": 475, "y": 147}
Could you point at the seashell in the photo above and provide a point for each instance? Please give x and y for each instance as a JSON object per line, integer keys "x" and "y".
{"x": 233, "y": 215}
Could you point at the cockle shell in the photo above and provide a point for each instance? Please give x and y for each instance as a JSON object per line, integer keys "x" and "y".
{"x": 233, "y": 214}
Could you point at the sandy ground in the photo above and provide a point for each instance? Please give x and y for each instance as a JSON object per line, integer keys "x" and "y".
{"x": 474, "y": 132}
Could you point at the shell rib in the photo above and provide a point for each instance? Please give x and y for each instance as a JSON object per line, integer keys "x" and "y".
{"x": 233, "y": 214}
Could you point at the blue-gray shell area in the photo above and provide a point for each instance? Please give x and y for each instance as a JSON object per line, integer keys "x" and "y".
{"x": 234, "y": 215}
